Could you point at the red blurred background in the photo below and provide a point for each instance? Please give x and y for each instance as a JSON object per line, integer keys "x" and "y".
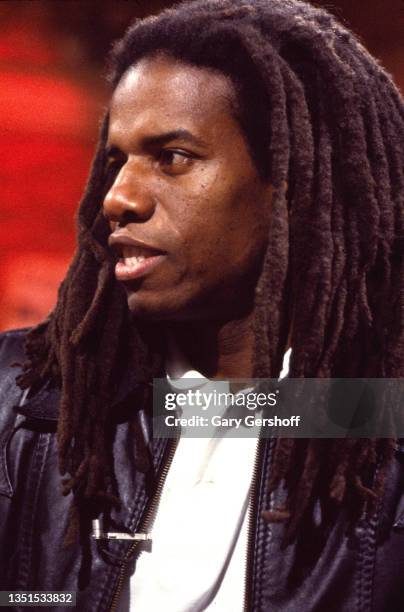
{"x": 52, "y": 95}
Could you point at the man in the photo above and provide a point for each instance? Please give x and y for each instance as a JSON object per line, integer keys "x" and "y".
{"x": 246, "y": 198}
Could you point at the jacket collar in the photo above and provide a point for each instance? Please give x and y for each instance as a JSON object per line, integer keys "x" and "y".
{"x": 43, "y": 404}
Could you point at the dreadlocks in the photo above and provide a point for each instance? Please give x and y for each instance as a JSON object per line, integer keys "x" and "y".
{"x": 325, "y": 123}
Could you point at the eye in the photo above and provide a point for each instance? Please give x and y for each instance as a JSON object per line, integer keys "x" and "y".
{"x": 174, "y": 161}
{"x": 115, "y": 159}
{"x": 114, "y": 163}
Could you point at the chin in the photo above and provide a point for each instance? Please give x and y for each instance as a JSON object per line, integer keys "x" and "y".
{"x": 165, "y": 307}
{"x": 153, "y": 309}
{"x": 172, "y": 309}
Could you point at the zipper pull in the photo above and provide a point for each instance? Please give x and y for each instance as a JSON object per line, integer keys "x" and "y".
{"x": 98, "y": 534}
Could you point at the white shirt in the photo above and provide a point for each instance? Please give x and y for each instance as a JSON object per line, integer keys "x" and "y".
{"x": 199, "y": 537}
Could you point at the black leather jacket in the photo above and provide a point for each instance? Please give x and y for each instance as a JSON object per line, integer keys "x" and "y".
{"x": 327, "y": 569}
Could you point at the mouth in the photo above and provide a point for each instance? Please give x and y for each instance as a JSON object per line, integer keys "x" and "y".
{"x": 135, "y": 259}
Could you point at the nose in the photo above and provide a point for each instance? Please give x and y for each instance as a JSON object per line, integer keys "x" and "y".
{"x": 129, "y": 198}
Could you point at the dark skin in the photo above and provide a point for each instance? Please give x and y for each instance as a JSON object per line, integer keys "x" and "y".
{"x": 188, "y": 210}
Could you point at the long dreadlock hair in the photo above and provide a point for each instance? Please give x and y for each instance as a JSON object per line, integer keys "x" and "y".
{"x": 325, "y": 123}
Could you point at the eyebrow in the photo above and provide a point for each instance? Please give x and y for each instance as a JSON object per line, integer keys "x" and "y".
{"x": 180, "y": 134}
{"x": 165, "y": 138}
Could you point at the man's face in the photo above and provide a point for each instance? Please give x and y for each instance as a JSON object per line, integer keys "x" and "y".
{"x": 188, "y": 211}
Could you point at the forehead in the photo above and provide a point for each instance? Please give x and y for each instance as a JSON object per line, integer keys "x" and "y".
{"x": 167, "y": 90}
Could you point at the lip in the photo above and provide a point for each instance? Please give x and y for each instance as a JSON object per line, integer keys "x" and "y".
{"x": 128, "y": 273}
{"x": 119, "y": 239}
{"x": 123, "y": 272}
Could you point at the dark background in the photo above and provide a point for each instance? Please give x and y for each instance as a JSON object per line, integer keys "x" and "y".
{"x": 52, "y": 96}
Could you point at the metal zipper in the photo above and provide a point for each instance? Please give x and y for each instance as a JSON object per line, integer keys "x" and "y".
{"x": 252, "y": 518}
{"x": 148, "y": 517}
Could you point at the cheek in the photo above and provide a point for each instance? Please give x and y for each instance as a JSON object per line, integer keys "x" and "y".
{"x": 219, "y": 222}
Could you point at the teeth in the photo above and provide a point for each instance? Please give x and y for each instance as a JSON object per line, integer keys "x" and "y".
{"x": 133, "y": 261}
{"x": 132, "y": 256}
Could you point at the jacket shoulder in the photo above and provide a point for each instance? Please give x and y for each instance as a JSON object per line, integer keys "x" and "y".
{"x": 12, "y": 347}
{"x": 11, "y": 358}
{"x": 11, "y": 352}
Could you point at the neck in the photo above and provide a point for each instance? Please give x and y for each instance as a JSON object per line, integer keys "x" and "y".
{"x": 217, "y": 349}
